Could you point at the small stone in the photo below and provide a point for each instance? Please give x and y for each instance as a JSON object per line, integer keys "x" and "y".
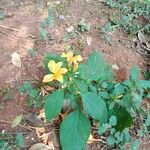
{"x": 62, "y": 17}
{"x": 69, "y": 29}
{"x": 115, "y": 67}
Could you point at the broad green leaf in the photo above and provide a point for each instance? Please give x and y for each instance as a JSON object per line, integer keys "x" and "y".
{"x": 113, "y": 120}
{"x": 124, "y": 119}
{"x": 110, "y": 140}
{"x": 134, "y": 73}
{"x": 20, "y": 140}
{"x": 74, "y": 131}
{"x": 95, "y": 106}
{"x": 17, "y": 120}
{"x": 53, "y": 104}
{"x": 96, "y": 68}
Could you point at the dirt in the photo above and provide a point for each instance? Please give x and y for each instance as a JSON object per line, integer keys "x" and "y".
{"x": 19, "y": 32}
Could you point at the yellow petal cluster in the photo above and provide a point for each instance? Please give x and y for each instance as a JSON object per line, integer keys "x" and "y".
{"x": 72, "y": 60}
{"x": 57, "y": 72}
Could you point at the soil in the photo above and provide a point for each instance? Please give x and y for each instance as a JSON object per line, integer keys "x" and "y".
{"x": 19, "y": 32}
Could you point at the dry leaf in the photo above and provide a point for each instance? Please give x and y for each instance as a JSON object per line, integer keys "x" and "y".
{"x": 16, "y": 60}
{"x": 89, "y": 40}
{"x": 51, "y": 145}
{"x": 44, "y": 137}
{"x": 92, "y": 139}
{"x": 17, "y": 120}
{"x": 39, "y": 131}
{"x": 42, "y": 114}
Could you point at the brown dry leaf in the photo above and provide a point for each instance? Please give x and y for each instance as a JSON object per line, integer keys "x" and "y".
{"x": 42, "y": 114}
{"x": 39, "y": 131}
{"x": 92, "y": 139}
{"x": 16, "y": 59}
{"x": 51, "y": 145}
{"x": 45, "y": 137}
{"x": 63, "y": 115}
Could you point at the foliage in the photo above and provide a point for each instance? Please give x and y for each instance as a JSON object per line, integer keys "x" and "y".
{"x": 9, "y": 141}
{"x": 92, "y": 93}
{"x": 33, "y": 94}
{"x": 6, "y": 93}
{"x": 132, "y": 15}
{"x": 48, "y": 21}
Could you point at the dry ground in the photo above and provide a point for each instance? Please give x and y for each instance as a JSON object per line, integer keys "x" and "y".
{"x": 19, "y": 32}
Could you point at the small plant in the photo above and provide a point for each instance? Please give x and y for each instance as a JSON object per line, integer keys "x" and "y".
{"x": 132, "y": 15}
{"x": 33, "y": 94}
{"x": 94, "y": 96}
{"x": 9, "y": 141}
{"x": 91, "y": 92}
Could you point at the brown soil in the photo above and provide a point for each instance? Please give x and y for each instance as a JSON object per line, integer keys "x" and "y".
{"x": 19, "y": 32}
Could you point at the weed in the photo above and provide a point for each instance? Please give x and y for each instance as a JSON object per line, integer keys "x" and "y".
{"x": 132, "y": 15}
{"x": 9, "y": 141}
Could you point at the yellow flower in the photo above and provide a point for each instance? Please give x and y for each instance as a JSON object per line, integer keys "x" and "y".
{"x": 72, "y": 59}
{"x": 57, "y": 72}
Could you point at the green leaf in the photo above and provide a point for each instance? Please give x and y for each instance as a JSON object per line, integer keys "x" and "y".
{"x": 43, "y": 33}
{"x": 145, "y": 84}
{"x": 134, "y": 73}
{"x": 95, "y": 106}
{"x": 17, "y": 121}
{"x": 53, "y": 104}
{"x": 110, "y": 140}
{"x": 102, "y": 129}
{"x": 74, "y": 131}
{"x": 124, "y": 119}
{"x": 96, "y": 68}
{"x": 20, "y": 140}
{"x": 5, "y": 146}
{"x": 50, "y": 19}
{"x": 135, "y": 145}
{"x": 147, "y": 122}
{"x": 113, "y": 120}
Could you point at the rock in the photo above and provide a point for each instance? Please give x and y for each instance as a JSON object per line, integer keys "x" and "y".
{"x": 69, "y": 29}
{"x": 39, "y": 146}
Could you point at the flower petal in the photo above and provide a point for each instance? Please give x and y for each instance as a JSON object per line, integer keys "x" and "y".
{"x": 62, "y": 71}
{"x": 52, "y": 65}
{"x": 58, "y": 67}
{"x": 75, "y": 67}
{"x": 48, "y": 78}
{"x": 59, "y": 78}
{"x": 77, "y": 58}
{"x": 63, "y": 54}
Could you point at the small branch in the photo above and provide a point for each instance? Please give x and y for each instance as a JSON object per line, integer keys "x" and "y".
{"x": 9, "y": 122}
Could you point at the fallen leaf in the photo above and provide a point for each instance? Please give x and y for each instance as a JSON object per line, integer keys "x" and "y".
{"x": 17, "y": 120}
{"x": 44, "y": 137}
{"x": 16, "y": 60}
{"x": 69, "y": 29}
{"x": 39, "y": 131}
{"x": 91, "y": 139}
{"x": 51, "y": 145}
{"x": 42, "y": 114}
{"x": 89, "y": 40}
